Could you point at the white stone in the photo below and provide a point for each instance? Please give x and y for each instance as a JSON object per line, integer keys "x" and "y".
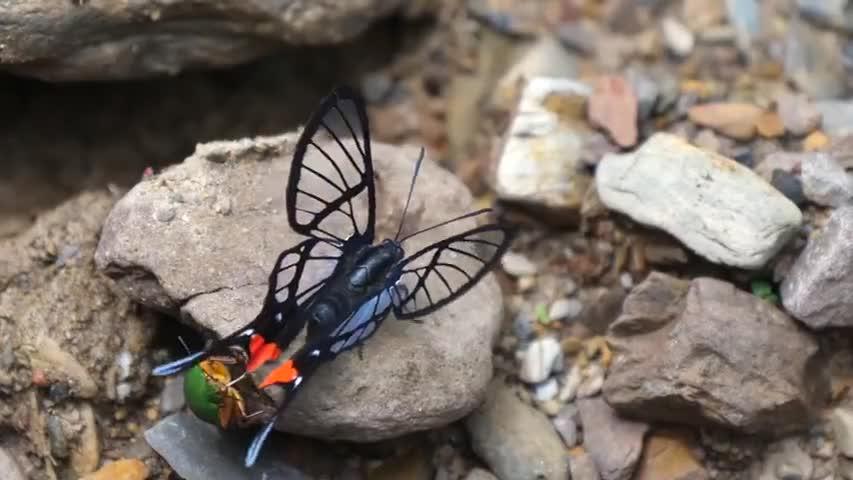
{"x": 546, "y": 391}
{"x": 564, "y": 308}
{"x": 679, "y": 39}
{"x": 825, "y": 181}
{"x": 540, "y": 359}
{"x": 518, "y": 265}
{"x": 540, "y": 160}
{"x": 715, "y": 206}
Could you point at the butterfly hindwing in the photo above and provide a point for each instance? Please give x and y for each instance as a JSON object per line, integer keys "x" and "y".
{"x": 443, "y": 271}
{"x": 288, "y": 287}
{"x": 330, "y": 193}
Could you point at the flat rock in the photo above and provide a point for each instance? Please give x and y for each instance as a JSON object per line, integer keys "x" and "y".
{"x": 837, "y": 117}
{"x": 182, "y": 439}
{"x": 706, "y": 353}
{"x": 817, "y": 289}
{"x": 169, "y": 244}
{"x": 613, "y": 442}
{"x": 113, "y": 39}
{"x": 715, "y": 206}
{"x": 516, "y": 440}
{"x": 736, "y": 120}
{"x": 540, "y": 162}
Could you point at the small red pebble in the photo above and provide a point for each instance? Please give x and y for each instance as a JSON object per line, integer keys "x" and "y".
{"x": 147, "y": 172}
{"x": 39, "y": 378}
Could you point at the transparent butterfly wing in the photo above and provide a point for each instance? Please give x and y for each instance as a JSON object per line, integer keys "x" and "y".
{"x": 330, "y": 193}
{"x": 445, "y": 270}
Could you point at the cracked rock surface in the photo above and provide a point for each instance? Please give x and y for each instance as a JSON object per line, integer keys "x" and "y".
{"x": 199, "y": 238}
{"x": 113, "y": 39}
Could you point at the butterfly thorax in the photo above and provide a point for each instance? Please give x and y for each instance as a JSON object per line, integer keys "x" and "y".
{"x": 351, "y": 286}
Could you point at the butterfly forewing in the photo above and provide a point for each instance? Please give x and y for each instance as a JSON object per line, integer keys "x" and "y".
{"x": 438, "y": 274}
{"x": 330, "y": 194}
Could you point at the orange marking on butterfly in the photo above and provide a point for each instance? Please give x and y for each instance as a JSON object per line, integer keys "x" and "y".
{"x": 263, "y": 353}
{"x": 284, "y": 373}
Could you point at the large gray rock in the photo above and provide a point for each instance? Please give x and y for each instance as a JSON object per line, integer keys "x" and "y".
{"x": 200, "y": 238}
{"x": 114, "y": 39}
{"x": 817, "y": 289}
{"x": 715, "y": 206}
{"x": 705, "y": 353}
{"x": 516, "y": 440}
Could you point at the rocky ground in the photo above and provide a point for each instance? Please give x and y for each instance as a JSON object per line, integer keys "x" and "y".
{"x": 677, "y": 305}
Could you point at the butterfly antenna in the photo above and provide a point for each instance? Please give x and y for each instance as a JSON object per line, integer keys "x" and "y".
{"x": 446, "y": 222}
{"x": 411, "y": 189}
{"x": 181, "y": 339}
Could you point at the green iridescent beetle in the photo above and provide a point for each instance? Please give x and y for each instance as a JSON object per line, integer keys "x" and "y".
{"x": 212, "y": 397}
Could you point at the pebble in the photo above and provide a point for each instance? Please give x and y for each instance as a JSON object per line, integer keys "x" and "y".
{"x": 815, "y": 141}
{"x": 825, "y": 182}
{"x": 514, "y": 439}
{"x": 679, "y": 39}
{"x": 571, "y": 383}
{"x": 541, "y": 158}
{"x": 565, "y": 308}
{"x": 816, "y": 289}
{"x": 566, "y": 424}
{"x": 753, "y": 221}
{"x": 614, "y": 443}
{"x": 547, "y": 390}
{"x": 626, "y": 280}
{"x": 841, "y": 419}
{"x": 541, "y": 357}
{"x": 798, "y": 113}
{"x": 518, "y": 265}
{"x": 613, "y": 107}
{"x": 125, "y": 469}
{"x": 56, "y": 435}
{"x": 172, "y": 397}
{"x": 769, "y": 125}
{"x": 736, "y": 120}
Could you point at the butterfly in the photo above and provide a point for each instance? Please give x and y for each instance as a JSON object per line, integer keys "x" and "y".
{"x": 339, "y": 285}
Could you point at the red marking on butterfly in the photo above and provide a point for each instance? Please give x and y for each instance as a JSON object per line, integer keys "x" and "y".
{"x": 284, "y": 373}
{"x": 261, "y": 352}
